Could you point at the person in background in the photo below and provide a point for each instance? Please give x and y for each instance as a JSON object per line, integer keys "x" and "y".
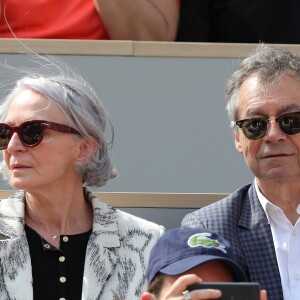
{"x": 57, "y": 240}
{"x": 182, "y": 257}
{"x": 239, "y": 21}
{"x": 151, "y": 20}
{"x": 261, "y": 220}
{"x": 90, "y": 19}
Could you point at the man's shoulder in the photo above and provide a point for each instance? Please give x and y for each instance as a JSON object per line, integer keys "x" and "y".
{"x": 234, "y": 199}
{"x": 228, "y": 207}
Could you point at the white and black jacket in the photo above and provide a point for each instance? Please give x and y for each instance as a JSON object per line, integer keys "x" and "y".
{"x": 116, "y": 257}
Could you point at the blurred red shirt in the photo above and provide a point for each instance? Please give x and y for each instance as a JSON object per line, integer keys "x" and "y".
{"x": 53, "y": 19}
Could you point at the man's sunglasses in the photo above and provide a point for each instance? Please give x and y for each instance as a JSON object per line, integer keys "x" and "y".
{"x": 30, "y": 132}
{"x": 256, "y": 128}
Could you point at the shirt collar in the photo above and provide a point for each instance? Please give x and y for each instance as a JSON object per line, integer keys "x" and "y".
{"x": 268, "y": 206}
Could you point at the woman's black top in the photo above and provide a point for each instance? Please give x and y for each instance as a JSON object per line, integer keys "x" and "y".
{"x": 57, "y": 273}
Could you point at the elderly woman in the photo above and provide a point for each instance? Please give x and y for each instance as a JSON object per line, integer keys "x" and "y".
{"x": 57, "y": 240}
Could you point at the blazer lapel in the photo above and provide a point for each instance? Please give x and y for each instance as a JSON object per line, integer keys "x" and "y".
{"x": 16, "y": 272}
{"x": 101, "y": 256}
{"x": 257, "y": 242}
{"x": 16, "y": 269}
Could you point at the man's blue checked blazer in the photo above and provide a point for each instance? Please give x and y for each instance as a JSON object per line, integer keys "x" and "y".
{"x": 241, "y": 219}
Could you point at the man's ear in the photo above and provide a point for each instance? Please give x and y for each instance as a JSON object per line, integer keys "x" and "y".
{"x": 238, "y": 145}
{"x": 147, "y": 296}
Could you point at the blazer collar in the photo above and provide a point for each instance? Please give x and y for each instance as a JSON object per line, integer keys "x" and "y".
{"x": 252, "y": 212}
{"x": 14, "y": 250}
{"x": 12, "y": 215}
{"x": 256, "y": 240}
{"x": 105, "y": 222}
{"x": 101, "y": 255}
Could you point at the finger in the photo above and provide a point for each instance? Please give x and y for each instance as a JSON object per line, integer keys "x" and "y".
{"x": 263, "y": 295}
{"x": 182, "y": 282}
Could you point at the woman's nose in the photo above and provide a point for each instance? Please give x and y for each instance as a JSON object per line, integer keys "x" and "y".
{"x": 15, "y": 143}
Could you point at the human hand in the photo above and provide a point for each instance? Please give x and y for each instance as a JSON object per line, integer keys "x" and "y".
{"x": 175, "y": 291}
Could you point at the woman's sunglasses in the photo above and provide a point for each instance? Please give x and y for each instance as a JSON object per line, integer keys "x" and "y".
{"x": 256, "y": 128}
{"x": 30, "y": 132}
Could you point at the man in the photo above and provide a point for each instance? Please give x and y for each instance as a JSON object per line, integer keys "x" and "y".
{"x": 185, "y": 256}
{"x": 261, "y": 220}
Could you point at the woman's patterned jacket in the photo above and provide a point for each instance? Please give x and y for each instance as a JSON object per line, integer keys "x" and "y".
{"x": 116, "y": 257}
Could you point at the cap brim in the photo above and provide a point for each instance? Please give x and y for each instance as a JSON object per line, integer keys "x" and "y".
{"x": 185, "y": 264}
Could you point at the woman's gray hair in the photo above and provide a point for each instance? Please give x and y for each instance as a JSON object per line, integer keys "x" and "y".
{"x": 78, "y": 101}
{"x": 269, "y": 64}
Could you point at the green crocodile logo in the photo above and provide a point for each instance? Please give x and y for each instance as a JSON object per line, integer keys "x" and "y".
{"x": 204, "y": 240}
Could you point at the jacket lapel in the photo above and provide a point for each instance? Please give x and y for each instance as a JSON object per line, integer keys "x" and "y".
{"x": 257, "y": 242}
{"x": 101, "y": 256}
{"x": 16, "y": 273}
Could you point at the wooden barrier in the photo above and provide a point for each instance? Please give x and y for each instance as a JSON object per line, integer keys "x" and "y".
{"x": 151, "y": 200}
{"x": 131, "y": 48}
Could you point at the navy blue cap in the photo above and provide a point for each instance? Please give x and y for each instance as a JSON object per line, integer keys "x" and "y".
{"x": 181, "y": 249}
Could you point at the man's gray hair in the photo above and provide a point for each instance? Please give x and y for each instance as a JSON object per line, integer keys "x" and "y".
{"x": 269, "y": 64}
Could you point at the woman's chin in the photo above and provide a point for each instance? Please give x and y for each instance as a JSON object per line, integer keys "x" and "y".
{"x": 18, "y": 184}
